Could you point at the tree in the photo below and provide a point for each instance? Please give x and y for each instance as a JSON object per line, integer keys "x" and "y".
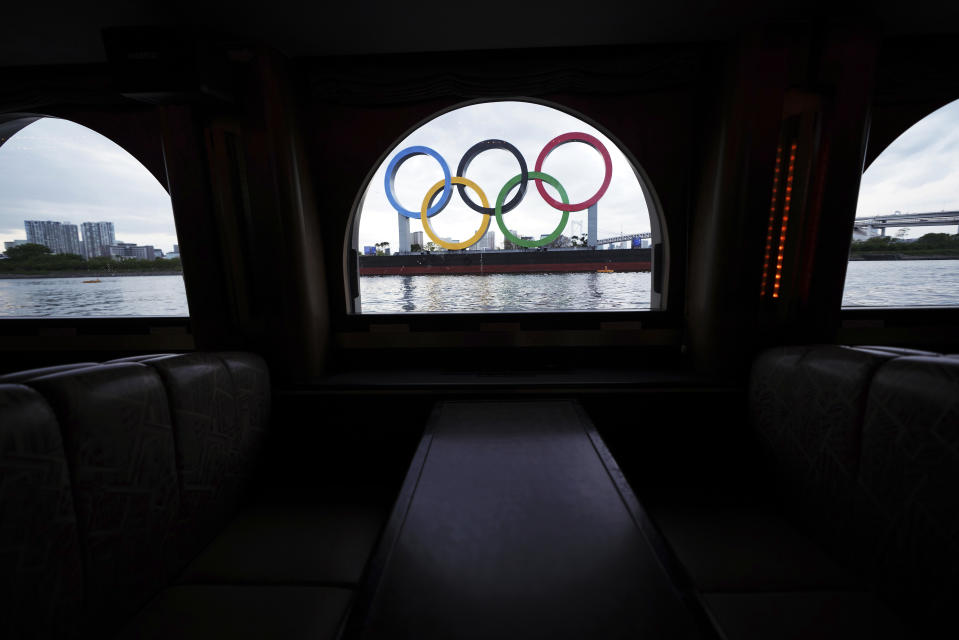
{"x": 580, "y": 241}
{"x": 381, "y": 248}
{"x": 431, "y": 246}
{"x": 415, "y": 247}
{"x": 101, "y": 263}
{"x": 937, "y": 241}
{"x": 876, "y": 243}
{"x": 930, "y": 243}
{"x": 27, "y": 251}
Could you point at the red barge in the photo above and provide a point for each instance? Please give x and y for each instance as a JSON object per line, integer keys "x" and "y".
{"x": 511, "y": 261}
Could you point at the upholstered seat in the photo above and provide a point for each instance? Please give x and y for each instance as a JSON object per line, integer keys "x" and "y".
{"x": 861, "y": 444}
{"x": 117, "y": 477}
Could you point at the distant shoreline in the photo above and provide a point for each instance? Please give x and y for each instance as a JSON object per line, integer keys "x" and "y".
{"x": 869, "y": 256}
{"x": 85, "y": 275}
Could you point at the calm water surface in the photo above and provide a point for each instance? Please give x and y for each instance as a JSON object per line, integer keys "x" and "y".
{"x": 901, "y": 283}
{"x": 868, "y": 284}
{"x": 505, "y": 292}
{"x": 112, "y": 296}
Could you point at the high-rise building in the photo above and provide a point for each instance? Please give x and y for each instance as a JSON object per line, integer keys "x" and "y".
{"x": 42, "y": 232}
{"x": 97, "y": 238}
{"x": 59, "y": 237}
{"x": 416, "y": 238}
{"x": 70, "y": 238}
{"x": 127, "y": 250}
{"x": 486, "y": 243}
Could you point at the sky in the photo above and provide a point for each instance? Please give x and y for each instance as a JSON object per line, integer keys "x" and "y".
{"x": 528, "y": 127}
{"x": 917, "y": 173}
{"x": 58, "y": 170}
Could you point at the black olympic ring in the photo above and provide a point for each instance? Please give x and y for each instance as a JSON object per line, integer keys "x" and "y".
{"x": 471, "y": 154}
{"x": 522, "y": 177}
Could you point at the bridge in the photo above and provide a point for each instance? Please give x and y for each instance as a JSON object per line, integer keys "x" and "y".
{"x": 623, "y": 238}
{"x": 932, "y": 219}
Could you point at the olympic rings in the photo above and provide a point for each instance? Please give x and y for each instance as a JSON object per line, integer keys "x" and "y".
{"x": 574, "y": 137}
{"x": 394, "y": 166}
{"x": 479, "y": 148}
{"x": 429, "y": 209}
{"x": 424, "y": 214}
{"x": 538, "y": 175}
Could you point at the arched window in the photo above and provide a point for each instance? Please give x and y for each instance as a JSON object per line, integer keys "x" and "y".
{"x": 505, "y": 207}
{"x": 87, "y": 229}
{"x": 905, "y": 249}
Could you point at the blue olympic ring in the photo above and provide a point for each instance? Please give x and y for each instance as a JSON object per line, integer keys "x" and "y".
{"x": 390, "y": 180}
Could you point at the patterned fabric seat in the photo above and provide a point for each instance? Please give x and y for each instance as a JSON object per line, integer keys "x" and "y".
{"x": 862, "y": 445}
{"x": 114, "y": 477}
{"x": 40, "y": 566}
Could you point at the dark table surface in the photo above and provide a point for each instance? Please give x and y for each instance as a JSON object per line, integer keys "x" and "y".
{"x": 515, "y": 522}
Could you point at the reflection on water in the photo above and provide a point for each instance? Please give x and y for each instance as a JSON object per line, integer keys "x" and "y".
{"x": 901, "y": 283}
{"x": 408, "y": 289}
{"x": 112, "y": 296}
{"x": 505, "y": 292}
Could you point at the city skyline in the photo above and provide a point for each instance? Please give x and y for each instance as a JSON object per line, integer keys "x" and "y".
{"x": 98, "y": 239}
{"x": 58, "y": 170}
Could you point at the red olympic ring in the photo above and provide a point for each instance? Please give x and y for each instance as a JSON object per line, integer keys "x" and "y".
{"x": 563, "y": 139}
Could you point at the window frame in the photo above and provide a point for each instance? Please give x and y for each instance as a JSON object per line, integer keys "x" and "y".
{"x": 659, "y": 245}
{"x": 118, "y": 326}
{"x": 854, "y": 319}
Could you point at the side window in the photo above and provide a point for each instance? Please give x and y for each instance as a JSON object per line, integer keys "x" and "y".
{"x": 505, "y": 207}
{"x": 905, "y": 249}
{"x": 87, "y": 230}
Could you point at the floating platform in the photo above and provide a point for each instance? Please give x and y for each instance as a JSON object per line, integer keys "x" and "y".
{"x": 512, "y": 261}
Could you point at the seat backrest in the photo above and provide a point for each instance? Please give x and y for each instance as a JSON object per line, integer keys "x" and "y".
{"x": 807, "y": 405}
{"x": 251, "y": 381}
{"x": 865, "y": 443}
{"x": 909, "y": 480}
{"x": 40, "y": 566}
{"x": 119, "y": 445}
{"x": 215, "y": 449}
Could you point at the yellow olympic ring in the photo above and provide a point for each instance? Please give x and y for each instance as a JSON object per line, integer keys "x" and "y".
{"x": 452, "y": 246}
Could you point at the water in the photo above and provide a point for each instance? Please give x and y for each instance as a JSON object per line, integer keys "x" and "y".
{"x": 505, "y": 292}
{"x": 900, "y": 283}
{"x": 112, "y": 296}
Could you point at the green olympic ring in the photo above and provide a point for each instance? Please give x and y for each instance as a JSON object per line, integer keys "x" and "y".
{"x": 501, "y": 198}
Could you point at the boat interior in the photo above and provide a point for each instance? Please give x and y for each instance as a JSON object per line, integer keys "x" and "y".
{"x": 745, "y": 459}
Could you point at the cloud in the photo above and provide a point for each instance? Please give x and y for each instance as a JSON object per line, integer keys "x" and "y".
{"x": 58, "y": 170}
{"x": 918, "y": 172}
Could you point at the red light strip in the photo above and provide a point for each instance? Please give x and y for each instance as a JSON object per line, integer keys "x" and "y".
{"x": 772, "y": 219}
{"x": 782, "y": 232}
